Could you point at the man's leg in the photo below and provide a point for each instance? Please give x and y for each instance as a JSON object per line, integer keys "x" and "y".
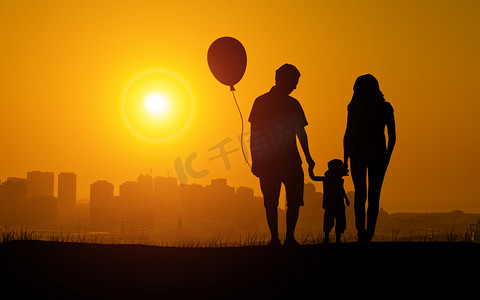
{"x": 271, "y": 192}
{"x": 272, "y": 221}
{"x": 293, "y": 182}
{"x": 292, "y": 217}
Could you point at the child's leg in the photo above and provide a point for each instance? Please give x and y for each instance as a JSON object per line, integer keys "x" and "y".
{"x": 340, "y": 225}
{"x": 328, "y": 222}
{"x": 338, "y": 238}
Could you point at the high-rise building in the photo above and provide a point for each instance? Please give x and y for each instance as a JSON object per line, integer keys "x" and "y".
{"x": 190, "y": 197}
{"x": 67, "y": 194}
{"x": 220, "y": 191}
{"x": 243, "y": 193}
{"x": 165, "y": 201}
{"x": 131, "y": 199}
{"x": 129, "y": 189}
{"x": 13, "y": 201}
{"x": 165, "y": 185}
{"x": 40, "y": 184}
{"x": 145, "y": 184}
{"x": 101, "y": 204}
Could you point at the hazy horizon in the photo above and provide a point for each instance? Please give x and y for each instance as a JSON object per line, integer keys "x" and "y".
{"x": 318, "y": 188}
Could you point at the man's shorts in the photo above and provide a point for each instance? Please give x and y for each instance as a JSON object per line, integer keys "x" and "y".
{"x": 292, "y": 179}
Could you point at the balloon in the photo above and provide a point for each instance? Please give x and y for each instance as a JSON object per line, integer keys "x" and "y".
{"x": 227, "y": 60}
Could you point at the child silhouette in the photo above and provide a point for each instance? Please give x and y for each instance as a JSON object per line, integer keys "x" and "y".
{"x": 333, "y": 195}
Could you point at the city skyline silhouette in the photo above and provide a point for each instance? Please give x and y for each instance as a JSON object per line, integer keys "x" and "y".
{"x": 174, "y": 211}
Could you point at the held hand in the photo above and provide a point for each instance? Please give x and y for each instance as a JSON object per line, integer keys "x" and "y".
{"x": 311, "y": 166}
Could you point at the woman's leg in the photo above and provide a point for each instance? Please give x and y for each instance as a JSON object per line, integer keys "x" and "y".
{"x": 359, "y": 178}
{"x": 376, "y": 174}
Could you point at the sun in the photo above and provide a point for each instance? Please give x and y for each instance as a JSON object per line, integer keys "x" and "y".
{"x": 155, "y": 104}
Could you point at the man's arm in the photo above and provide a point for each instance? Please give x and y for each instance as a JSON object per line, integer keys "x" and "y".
{"x": 302, "y": 137}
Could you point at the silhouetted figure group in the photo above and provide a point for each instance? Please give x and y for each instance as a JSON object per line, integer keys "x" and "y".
{"x": 277, "y": 119}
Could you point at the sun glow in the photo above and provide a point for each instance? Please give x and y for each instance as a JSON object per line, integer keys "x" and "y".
{"x": 155, "y": 104}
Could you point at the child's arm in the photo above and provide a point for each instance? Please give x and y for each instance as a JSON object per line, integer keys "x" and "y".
{"x": 315, "y": 178}
{"x": 346, "y": 198}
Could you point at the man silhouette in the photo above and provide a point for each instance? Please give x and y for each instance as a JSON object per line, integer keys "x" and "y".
{"x": 276, "y": 120}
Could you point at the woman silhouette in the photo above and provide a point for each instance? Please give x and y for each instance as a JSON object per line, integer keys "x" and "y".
{"x": 365, "y": 144}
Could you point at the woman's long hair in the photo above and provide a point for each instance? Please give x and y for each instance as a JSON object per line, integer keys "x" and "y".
{"x": 366, "y": 93}
{"x": 364, "y": 116}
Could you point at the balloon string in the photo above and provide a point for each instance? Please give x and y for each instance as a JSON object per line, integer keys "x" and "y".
{"x": 241, "y": 136}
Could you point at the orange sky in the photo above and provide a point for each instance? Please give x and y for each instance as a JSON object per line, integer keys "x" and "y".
{"x": 65, "y": 67}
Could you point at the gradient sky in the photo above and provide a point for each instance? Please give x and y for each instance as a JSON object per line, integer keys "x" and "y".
{"x": 65, "y": 67}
